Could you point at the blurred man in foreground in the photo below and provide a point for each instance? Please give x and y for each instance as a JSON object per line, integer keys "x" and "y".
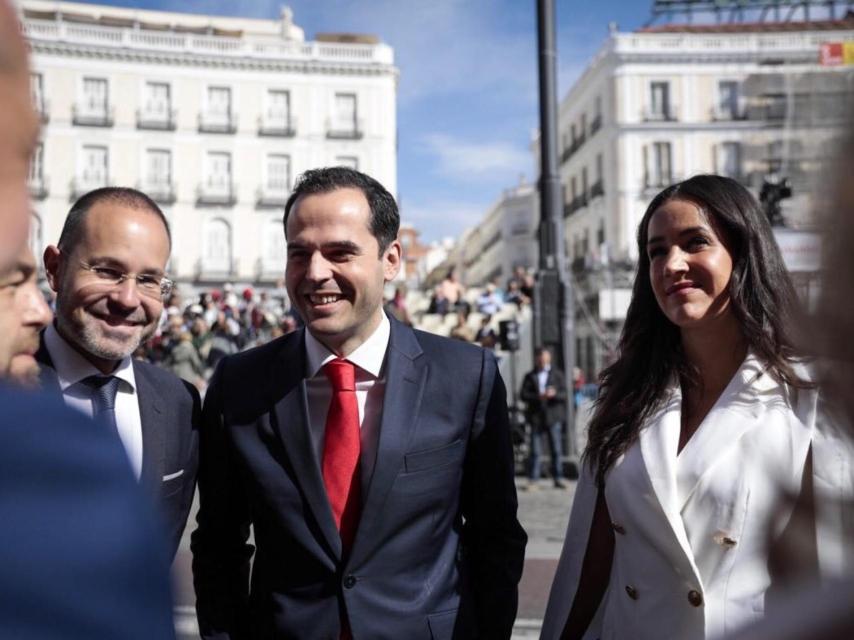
{"x": 79, "y": 556}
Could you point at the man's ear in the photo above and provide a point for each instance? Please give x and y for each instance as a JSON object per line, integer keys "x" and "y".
{"x": 392, "y": 258}
{"x": 52, "y": 264}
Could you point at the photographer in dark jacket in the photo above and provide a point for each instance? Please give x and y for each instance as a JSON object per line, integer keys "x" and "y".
{"x": 544, "y": 393}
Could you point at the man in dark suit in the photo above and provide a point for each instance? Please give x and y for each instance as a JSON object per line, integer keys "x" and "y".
{"x": 373, "y": 461}
{"x": 544, "y": 393}
{"x": 108, "y": 273}
{"x": 79, "y": 557}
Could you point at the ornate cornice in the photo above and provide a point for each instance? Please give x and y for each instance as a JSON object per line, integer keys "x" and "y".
{"x": 190, "y": 59}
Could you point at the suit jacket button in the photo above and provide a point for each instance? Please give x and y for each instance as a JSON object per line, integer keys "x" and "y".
{"x": 695, "y": 598}
{"x": 632, "y": 592}
{"x": 616, "y": 526}
{"x": 350, "y": 582}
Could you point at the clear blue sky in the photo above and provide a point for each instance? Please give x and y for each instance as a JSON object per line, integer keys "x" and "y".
{"x": 467, "y": 100}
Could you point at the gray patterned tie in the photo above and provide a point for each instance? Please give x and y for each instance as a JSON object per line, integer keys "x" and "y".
{"x": 104, "y": 389}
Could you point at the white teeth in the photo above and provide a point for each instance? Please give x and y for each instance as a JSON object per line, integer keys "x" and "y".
{"x": 328, "y": 299}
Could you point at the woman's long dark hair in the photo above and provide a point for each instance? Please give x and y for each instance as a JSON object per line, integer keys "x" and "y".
{"x": 650, "y": 351}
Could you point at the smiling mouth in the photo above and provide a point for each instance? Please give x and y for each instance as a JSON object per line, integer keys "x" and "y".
{"x": 319, "y": 299}
{"x": 117, "y": 321}
{"x": 679, "y": 286}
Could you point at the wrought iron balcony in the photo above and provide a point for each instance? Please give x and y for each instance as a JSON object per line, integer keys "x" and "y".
{"x": 156, "y": 120}
{"x": 597, "y": 189}
{"x": 280, "y": 127}
{"x": 355, "y": 131}
{"x": 217, "y": 122}
{"x": 595, "y": 124}
{"x": 267, "y": 197}
{"x": 216, "y": 195}
{"x": 38, "y": 187}
{"x": 160, "y": 192}
{"x": 668, "y": 113}
{"x": 88, "y": 116}
{"x": 85, "y": 184}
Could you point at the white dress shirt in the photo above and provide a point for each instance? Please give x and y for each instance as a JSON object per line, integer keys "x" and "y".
{"x": 370, "y": 391}
{"x": 542, "y": 379}
{"x": 72, "y": 368}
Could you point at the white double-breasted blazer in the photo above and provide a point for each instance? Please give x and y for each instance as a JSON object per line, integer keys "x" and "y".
{"x": 691, "y": 530}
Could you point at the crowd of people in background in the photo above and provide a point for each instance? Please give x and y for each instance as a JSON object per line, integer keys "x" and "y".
{"x": 198, "y": 330}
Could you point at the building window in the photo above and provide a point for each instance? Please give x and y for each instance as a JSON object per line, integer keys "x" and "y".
{"x": 277, "y": 180}
{"x": 596, "y": 123}
{"x": 218, "y": 116}
{"x": 728, "y": 100}
{"x": 584, "y": 185}
{"x": 728, "y": 160}
{"x": 657, "y": 165}
{"x": 93, "y": 170}
{"x": 660, "y": 107}
{"x": 345, "y": 121}
{"x": 274, "y": 246}
{"x": 158, "y": 175}
{"x": 351, "y": 162}
{"x": 36, "y": 175}
{"x": 277, "y": 119}
{"x": 217, "y": 247}
{"x": 217, "y": 187}
{"x": 36, "y": 237}
{"x": 93, "y": 108}
{"x": 583, "y": 126}
{"x": 156, "y": 111}
{"x": 37, "y": 95}
{"x": 598, "y": 187}
{"x": 775, "y": 156}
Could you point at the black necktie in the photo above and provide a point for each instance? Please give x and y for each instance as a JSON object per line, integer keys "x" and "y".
{"x": 104, "y": 390}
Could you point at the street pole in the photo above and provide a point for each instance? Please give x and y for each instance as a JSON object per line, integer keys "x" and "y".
{"x": 554, "y": 313}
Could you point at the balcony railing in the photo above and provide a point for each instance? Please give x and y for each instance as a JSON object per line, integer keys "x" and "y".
{"x": 595, "y": 124}
{"x": 267, "y": 270}
{"x": 160, "y": 192}
{"x": 216, "y": 195}
{"x": 85, "y": 184}
{"x": 350, "y": 131}
{"x": 86, "y": 116}
{"x": 658, "y": 114}
{"x": 729, "y": 114}
{"x": 217, "y": 122}
{"x": 574, "y": 146}
{"x": 578, "y": 202}
{"x": 38, "y": 187}
{"x": 281, "y": 127}
{"x": 157, "y": 120}
{"x": 597, "y": 189}
{"x": 267, "y": 197}
{"x": 656, "y": 182}
{"x": 218, "y": 269}
{"x": 42, "y": 108}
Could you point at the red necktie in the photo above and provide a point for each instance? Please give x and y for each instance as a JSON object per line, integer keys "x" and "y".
{"x": 341, "y": 446}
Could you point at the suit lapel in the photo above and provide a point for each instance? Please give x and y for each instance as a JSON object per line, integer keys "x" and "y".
{"x": 738, "y": 410}
{"x": 154, "y": 429}
{"x": 405, "y": 374}
{"x": 291, "y": 421}
{"x": 659, "y": 441}
{"x": 48, "y": 380}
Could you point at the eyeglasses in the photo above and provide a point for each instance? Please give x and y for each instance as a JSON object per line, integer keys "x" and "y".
{"x": 148, "y": 284}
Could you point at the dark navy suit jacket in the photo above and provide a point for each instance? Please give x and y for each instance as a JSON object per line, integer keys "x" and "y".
{"x": 170, "y": 412}
{"x": 80, "y": 554}
{"x": 439, "y": 550}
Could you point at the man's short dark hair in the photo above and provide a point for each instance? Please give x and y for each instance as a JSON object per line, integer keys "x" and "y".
{"x": 72, "y": 230}
{"x": 541, "y": 350}
{"x": 385, "y": 218}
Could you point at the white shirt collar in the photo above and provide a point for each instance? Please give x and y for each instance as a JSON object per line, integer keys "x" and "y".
{"x": 71, "y": 367}
{"x": 368, "y": 356}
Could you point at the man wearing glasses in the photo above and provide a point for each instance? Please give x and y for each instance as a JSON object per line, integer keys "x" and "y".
{"x": 108, "y": 272}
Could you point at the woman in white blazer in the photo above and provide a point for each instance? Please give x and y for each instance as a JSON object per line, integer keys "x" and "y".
{"x": 705, "y": 417}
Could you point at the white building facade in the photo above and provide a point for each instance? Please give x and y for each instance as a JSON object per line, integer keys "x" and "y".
{"x": 212, "y": 117}
{"x": 748, "y": 101}
{"x": 504, "y": 239}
